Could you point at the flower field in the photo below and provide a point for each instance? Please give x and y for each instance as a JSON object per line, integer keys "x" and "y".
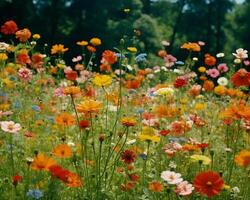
{"x": 108, "y": 125}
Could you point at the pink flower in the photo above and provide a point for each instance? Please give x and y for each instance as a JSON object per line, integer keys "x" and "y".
{"x": 184, "y": 188}
{"x": 151, "y": 122}
{"x": 6, "y": 113}
{"x": 77, "y": 59}
{"x": 25, "y": 73}
{"x": 59, "y": 92}
{"x": 172, "y": 148}
{"x": 241, "y": 54}
{"x": 246, "y": 62}
{"x": 67, "y": 70}
{"x": 10, "y": 126}
{"x": 169, "y": 60}
{"x": 213, "y": 73}
{"x": 172, "y": 178}
{"x": 223, "y": 67}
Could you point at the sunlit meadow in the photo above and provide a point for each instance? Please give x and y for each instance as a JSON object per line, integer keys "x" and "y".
{"x": 115, "y": 127}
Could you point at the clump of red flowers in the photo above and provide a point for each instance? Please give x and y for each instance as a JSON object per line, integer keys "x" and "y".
{"x": 208, "y": 183}
{"x": 84, "y": 124}
{"x": 16, "y": 179}
{"x": 180, "y": 82}
{"x": 9, "y": 28}
{"x": 128, "y": 156}
{"x": 241, "y": 78}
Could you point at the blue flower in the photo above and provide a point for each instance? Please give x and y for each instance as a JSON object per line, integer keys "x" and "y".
{"x": 140, "y": 110}
{"x": 34, "y": 193}
{"x": 179, "y": 63}
{"x": 143, "y": 156}
{"x": 17, "y": 104}
{"x": 36, "y": 108}
{"x": 120, "y": 55}
{"x": 141, "y": 57}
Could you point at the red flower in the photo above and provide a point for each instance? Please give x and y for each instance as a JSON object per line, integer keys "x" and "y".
{"x": 9, "y": 27}
{"x": 134, "y": 177}
{"x": 128, "y": 156}
{"x": 164, "y": 132}
{"x": 72, "y": 75}
{"x": 208, "y": 183}
{"x": 109, "y": 57}
{"x": 180, "y": 82}
{"x": 210, "y": 60}
{"x": 60, "y": 173}
{"x": 15, "y": 179}
{"x": 241, "y": 78}
{"x": 84, "y": 124}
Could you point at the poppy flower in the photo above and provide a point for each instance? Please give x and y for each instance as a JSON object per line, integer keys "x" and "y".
{"x": 16, "y": 179}
{"x": 109, "y": 57}
{"x": 208, "y": 183}
{"x": 128, "y": 156}
{"x": 241, "y": 78}
{"x": 128, "y": 121}
{"x": 84, "y": 124}
{"x": 71, "y": 90}
{"x": 9, "y": 27}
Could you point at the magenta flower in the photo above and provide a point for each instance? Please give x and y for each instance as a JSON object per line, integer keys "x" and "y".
{"x": 25, "y": 73}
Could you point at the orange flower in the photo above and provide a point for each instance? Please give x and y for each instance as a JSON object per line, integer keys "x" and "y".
{"x": 82, "y": 43}
{"x": 23, "y": 57}
{"x": 155, "y": 186}
{"x": 58, "y": 49}
{"x": 91, "y": 49}
{"x": 210, "y": 60}
{"x": 128, "y": 121}
{"x": 208, "y": 85}
{"x": 241, "y": 78}
{"x": 243, "y": 158}
{"x": 133, "y": 84}
{"x": 62, "y": 151}
{"x": 23, "y": 35}
{"x": 162, "y": 53}
{"x": 163, "y": 111}
{"x": 42, "y": 162}
{"x": 73, "y": 180}
{"x": 220, "y": 90}
{"x": 9, "y": 27}
{"x": 236, "y": 111}
{"x": 65, "y": 119}
{"x": 191, "y": 46}
{"x": 89, "y": 106}
{"x": 71, "y": 90}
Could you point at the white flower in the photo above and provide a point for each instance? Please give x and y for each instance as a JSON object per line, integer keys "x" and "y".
{"x": 112, "y": 108}
{"x": 178, "y": 71}
{"x": 129, "y": 67}
{"x": 195, "y": 59}
{"x": 241, "y": 53}
{"x": 171, "y": 177}
{"x": 131, "y": 142}
{"x": 220, "y": 55}
{"x": 3, "y": 46}
{"x": 222, "y": 81}
{"x": 164, "y": 69}
{"x": 237, "y": 61}
{"x": 10, "y": 126}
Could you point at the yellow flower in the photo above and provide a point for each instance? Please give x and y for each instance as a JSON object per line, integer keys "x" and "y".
{"x": 126, "y": 10}
{"x": 199, "y": 106}
{"x": 220, "y": 90}
{"x": 82, "y": 43}
{"x": 132, "y": 49}
{"x": 201, "y": 158}
{"x": 102, "y": 80}
{"x": 226, "y": 187}
{"x": 149, "y": 134}
{"x": 128, "y": 121}
{"x": 58, "y": 48}
{"x": 89, "y": 106}
{"x": 4, "y": 106}
{"x": 36, "y": 36}
{"x": 95, "y": 41}
{"x": 8, "y": 83}
{"x": 3, "y": 56}
{"x": 165, "y": 91}
{"x": 202, "y": 69}
{"x": 184, "y": 101}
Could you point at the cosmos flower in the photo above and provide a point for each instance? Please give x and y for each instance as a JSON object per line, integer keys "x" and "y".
{"x": 171, "y": 177}
{"x": 10, "y": 126}
{"x": 241, "y": 54}
{"x": 184, "y": 188}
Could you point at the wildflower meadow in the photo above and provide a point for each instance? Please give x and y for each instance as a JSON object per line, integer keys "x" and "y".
{"x": 105, "y": 124}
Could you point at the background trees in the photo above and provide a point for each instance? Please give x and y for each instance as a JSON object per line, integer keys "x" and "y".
{"x": 221, "y": 24}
